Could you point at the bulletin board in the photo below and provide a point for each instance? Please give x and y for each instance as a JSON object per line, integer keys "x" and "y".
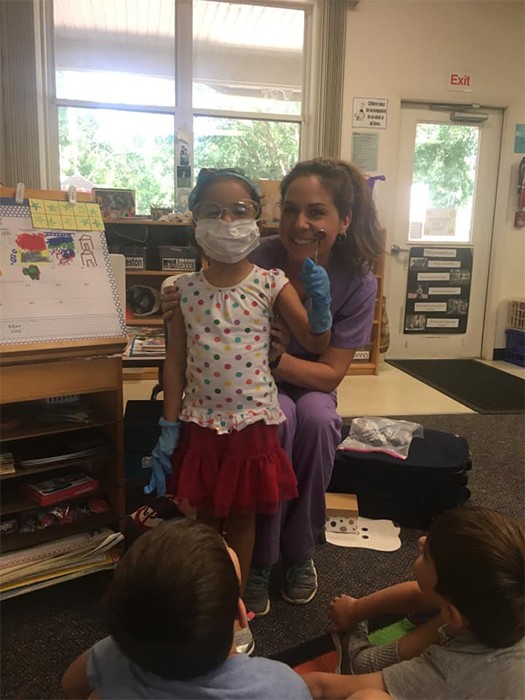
{"x": 438, "y": 290}
{"x": 58, "y": 296}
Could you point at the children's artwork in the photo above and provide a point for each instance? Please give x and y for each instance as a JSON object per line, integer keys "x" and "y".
{"x": 82, "y": 216}
{"x": 55, "y": 285}
{"x": 115, "y": 203}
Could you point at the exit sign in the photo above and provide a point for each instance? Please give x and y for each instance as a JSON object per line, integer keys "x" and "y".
{"x": 459, "y": 81}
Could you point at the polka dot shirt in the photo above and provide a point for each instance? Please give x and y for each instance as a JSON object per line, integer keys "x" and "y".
{"x": 228, "y": 382}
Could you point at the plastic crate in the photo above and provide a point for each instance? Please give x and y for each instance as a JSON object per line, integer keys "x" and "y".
{"x": 516, "y": 319}
{"x": 135, "y": 257}
{"x": 515, "y": 350}
{"x": 178, "y": 258}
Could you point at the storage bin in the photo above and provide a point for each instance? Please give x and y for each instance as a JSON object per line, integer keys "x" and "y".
{"x": 516, "y": 318}
{"x": 179, "y": 258}
{"x": 141, "y": 432}
{"x": 135, "y": 257}
{"x": 515, "y": 350}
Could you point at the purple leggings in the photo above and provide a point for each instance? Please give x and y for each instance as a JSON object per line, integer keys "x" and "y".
{"x": 310, "y": 436}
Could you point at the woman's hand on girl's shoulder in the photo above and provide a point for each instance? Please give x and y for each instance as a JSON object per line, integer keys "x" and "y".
{"x": 170, "y": 300}
{"x": 279, "y": 338}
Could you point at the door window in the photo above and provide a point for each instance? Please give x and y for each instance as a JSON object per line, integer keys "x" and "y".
{"x": 443, "y": 182}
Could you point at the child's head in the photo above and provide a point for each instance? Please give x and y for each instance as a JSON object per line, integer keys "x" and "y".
{"x": 173, "y": 600}
{"x": 359, "y": 242}
{"x": 217, "y": 189}
{"x": 473, "y": 559}
{"x": 225, "y": 206}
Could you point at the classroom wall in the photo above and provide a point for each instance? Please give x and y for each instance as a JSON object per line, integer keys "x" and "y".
{"x": 405, "y": 50}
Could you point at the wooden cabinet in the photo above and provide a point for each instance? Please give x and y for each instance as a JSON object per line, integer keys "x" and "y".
{"x": 25, "y": 387}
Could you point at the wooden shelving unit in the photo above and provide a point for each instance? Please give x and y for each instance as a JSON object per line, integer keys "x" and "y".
{"x": 370, "y": 364}
{"x": 98, "y": 382}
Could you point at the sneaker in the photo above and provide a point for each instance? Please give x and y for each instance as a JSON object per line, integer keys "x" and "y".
{"x": 244, "y": 641}
{"x": 348, "y": 645}
{"x": 300, "y": 584}
{"x": 256, "y": 596}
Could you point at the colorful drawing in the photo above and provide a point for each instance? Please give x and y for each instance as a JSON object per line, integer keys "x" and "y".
{"x": 32, "y": 247}
{"x": 62, "y": 247}
{"x": 32, "y": 272}
{"x": 87, "y": 253}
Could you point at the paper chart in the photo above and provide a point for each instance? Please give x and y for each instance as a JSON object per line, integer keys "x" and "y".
{"x": 55, "y": 285}
{"x": 82, "y": 216}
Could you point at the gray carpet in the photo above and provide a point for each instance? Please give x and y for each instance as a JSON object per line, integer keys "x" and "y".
{"x": 42, "y": 632}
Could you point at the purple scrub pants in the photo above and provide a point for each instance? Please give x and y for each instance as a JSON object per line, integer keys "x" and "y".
{"x": 310, "y": 436}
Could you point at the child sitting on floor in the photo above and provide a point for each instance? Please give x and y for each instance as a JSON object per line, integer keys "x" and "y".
{"x": 170, "y": 611}
{"x": 471, "y": 569}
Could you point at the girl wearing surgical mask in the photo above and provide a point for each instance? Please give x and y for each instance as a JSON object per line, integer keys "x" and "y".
{"x": 219, "y": 440}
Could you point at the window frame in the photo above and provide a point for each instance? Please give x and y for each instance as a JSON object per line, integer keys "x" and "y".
{"x": 183, "y": 111}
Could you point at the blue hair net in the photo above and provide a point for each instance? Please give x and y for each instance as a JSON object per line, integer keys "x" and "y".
{"x": 208, "y": 175}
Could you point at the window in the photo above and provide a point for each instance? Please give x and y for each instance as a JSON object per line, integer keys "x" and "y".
{"x": 120, "y": 124}
{"x": 443, "y": 183}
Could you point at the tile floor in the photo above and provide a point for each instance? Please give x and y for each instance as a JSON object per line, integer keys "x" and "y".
{"x": 389, "y": 393}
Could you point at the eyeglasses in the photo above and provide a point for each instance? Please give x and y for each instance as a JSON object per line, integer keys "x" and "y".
{"x": 243, "y": 209}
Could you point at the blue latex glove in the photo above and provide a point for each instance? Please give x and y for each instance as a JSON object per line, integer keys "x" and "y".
{"x": 317, "y": 288}
{"x": 161, "y": 456}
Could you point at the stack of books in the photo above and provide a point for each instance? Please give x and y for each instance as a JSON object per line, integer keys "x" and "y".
{"x": 148, "y": 347}
{"x": 146, "y": 342}
{"x": 61, "y": 560}
{"x": 47, "y": 493}
{"x": 42, "y": 452}
{"x": 7, "y": 463}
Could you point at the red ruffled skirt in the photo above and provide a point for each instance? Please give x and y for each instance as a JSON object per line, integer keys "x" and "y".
{"x": 237, "y": 473}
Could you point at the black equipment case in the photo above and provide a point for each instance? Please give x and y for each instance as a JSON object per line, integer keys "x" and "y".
{"x": 413, "y": 491}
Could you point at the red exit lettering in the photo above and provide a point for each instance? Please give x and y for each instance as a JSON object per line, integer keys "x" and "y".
{"x": 462, "y": 80}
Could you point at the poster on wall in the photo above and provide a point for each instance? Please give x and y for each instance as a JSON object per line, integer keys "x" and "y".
{"x": 438, "y": 290}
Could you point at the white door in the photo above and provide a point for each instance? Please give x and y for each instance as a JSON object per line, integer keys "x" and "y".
{"x": 440, "y": 246}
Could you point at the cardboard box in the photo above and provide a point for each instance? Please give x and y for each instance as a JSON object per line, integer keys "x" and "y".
{"x": 47, "y": 493}
{"x": 341, "y": 513}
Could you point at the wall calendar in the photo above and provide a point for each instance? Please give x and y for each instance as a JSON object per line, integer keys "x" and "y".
{"x": 55, "y": 285}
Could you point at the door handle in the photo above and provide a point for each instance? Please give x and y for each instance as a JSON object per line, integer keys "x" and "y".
{"x": 396, "y": 250}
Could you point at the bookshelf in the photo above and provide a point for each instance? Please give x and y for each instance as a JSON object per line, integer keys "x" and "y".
{"x": 98, "y": 384}
{"x": 61, "y": 398}
{"x": 369, "y": 364}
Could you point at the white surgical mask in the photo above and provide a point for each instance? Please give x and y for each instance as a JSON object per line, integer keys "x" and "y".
{"x": 227, "y": 242}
